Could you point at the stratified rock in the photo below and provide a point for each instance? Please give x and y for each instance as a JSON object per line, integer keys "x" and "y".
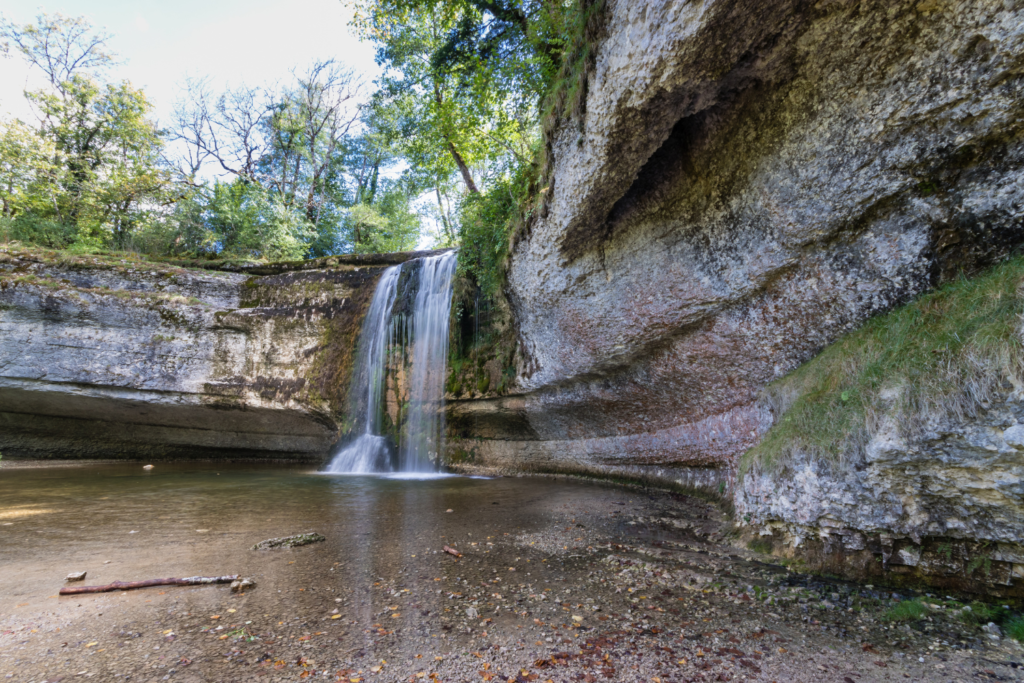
{"x": 106, "y": 357}
{"x": 749, "y": 182}
{"x": 289, "y": 541}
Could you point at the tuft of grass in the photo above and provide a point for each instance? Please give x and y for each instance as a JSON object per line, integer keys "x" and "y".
{"x": 982, "y": 613}
{"x": 908, "y": 610}
{"x": 944, "y": 354}
{"x": 1014, "y": 628}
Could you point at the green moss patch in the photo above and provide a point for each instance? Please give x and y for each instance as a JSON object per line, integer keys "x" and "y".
{"x": 946, "y": 353}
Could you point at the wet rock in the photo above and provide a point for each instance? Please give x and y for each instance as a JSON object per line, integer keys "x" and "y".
{"x": 241, "y": 585}
{"x": 289, "y": 541}
{"x": 992, "y": 629}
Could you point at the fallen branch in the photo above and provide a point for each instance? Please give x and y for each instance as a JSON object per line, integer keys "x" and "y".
{"x": 452, "y": 551}
{"x": 129, "y": 585}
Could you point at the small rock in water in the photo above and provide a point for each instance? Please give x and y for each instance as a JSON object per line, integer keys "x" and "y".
{"x": 147, "y": 467}
{"x": 240, "y": 585}
{"x": 75, "y": 576}
{"x": 449, "y": 510}
{"x": 472, "y": 613}
{"x": 289, "y": 541}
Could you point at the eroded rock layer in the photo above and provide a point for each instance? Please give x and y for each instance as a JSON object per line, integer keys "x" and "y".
{"x": 108, "y": 358}
{"x": 749, "y": 181}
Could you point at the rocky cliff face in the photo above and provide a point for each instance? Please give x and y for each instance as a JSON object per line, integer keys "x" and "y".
{"x": 750, "y": 181}
{"x": 104, "y": 358}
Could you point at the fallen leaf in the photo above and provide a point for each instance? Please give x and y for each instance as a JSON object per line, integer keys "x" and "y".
{"x": 336, "y": 616}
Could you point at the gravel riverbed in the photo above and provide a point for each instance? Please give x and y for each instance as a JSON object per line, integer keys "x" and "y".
{"x": 558, "y": 581}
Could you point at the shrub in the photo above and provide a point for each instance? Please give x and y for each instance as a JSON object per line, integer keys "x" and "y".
{"x": 908, "y": 610}
{"x": 1015, "y": 628}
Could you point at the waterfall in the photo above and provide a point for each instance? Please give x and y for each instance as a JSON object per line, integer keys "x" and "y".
{"x": 387, "y": 337}
{"x": 425, "y": 423}
{"x": 369, "y": 452}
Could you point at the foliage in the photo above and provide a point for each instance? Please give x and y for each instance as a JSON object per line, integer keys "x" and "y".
{"x": 305, "y": 171}
{"x": 242, "y": 219}
{"x": 943, "y": 354}
{"x": 982, "y": 613}
{"x": 369, "y": 231}
{"x": 907, "y": 610}
{"x": 26, "y": 166}
{"x": 479, "y": 86}
{"x": 1015, "y": 628}
{"x": 109, "y": 151}
{"x": 92, "y": 165}
{"x": 61, "y": 47}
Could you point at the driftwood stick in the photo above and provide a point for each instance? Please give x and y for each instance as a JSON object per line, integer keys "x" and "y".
{"x": 128, "y": 585}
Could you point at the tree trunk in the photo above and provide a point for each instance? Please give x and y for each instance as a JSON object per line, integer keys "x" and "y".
{"x": 463, "y": 169}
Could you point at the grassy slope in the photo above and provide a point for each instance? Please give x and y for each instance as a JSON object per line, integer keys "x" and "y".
{"x": 943, "y": 354}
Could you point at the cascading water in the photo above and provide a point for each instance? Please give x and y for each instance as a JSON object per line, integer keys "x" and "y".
{"x": 424, "y": 329}
{"x": 425, "y": 422}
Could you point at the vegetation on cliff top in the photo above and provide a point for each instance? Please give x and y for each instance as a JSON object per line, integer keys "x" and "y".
{"x": 259, "y": 172}
{"x": 458, "y": 129}
{"x": 947, "y": 353}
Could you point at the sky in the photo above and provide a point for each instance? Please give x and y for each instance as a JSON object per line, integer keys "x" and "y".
{"x": 229, "y": 41}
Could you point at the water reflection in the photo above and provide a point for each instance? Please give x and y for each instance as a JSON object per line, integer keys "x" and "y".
{"x": 119, "y": 522}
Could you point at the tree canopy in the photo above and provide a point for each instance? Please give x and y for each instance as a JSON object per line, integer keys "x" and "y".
{"x": 450, "y": 138}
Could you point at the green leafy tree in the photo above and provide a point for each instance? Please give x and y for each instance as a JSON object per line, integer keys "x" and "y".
{"x": 245, "y": 220}
{"x": 382, "y": 228}
{"x": 105, "y": 176}
{"x": 26, "y": 167}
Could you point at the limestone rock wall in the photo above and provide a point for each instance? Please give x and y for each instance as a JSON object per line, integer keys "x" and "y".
{"x": 750, "y": 180}
{"x": 108, "y": 358}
